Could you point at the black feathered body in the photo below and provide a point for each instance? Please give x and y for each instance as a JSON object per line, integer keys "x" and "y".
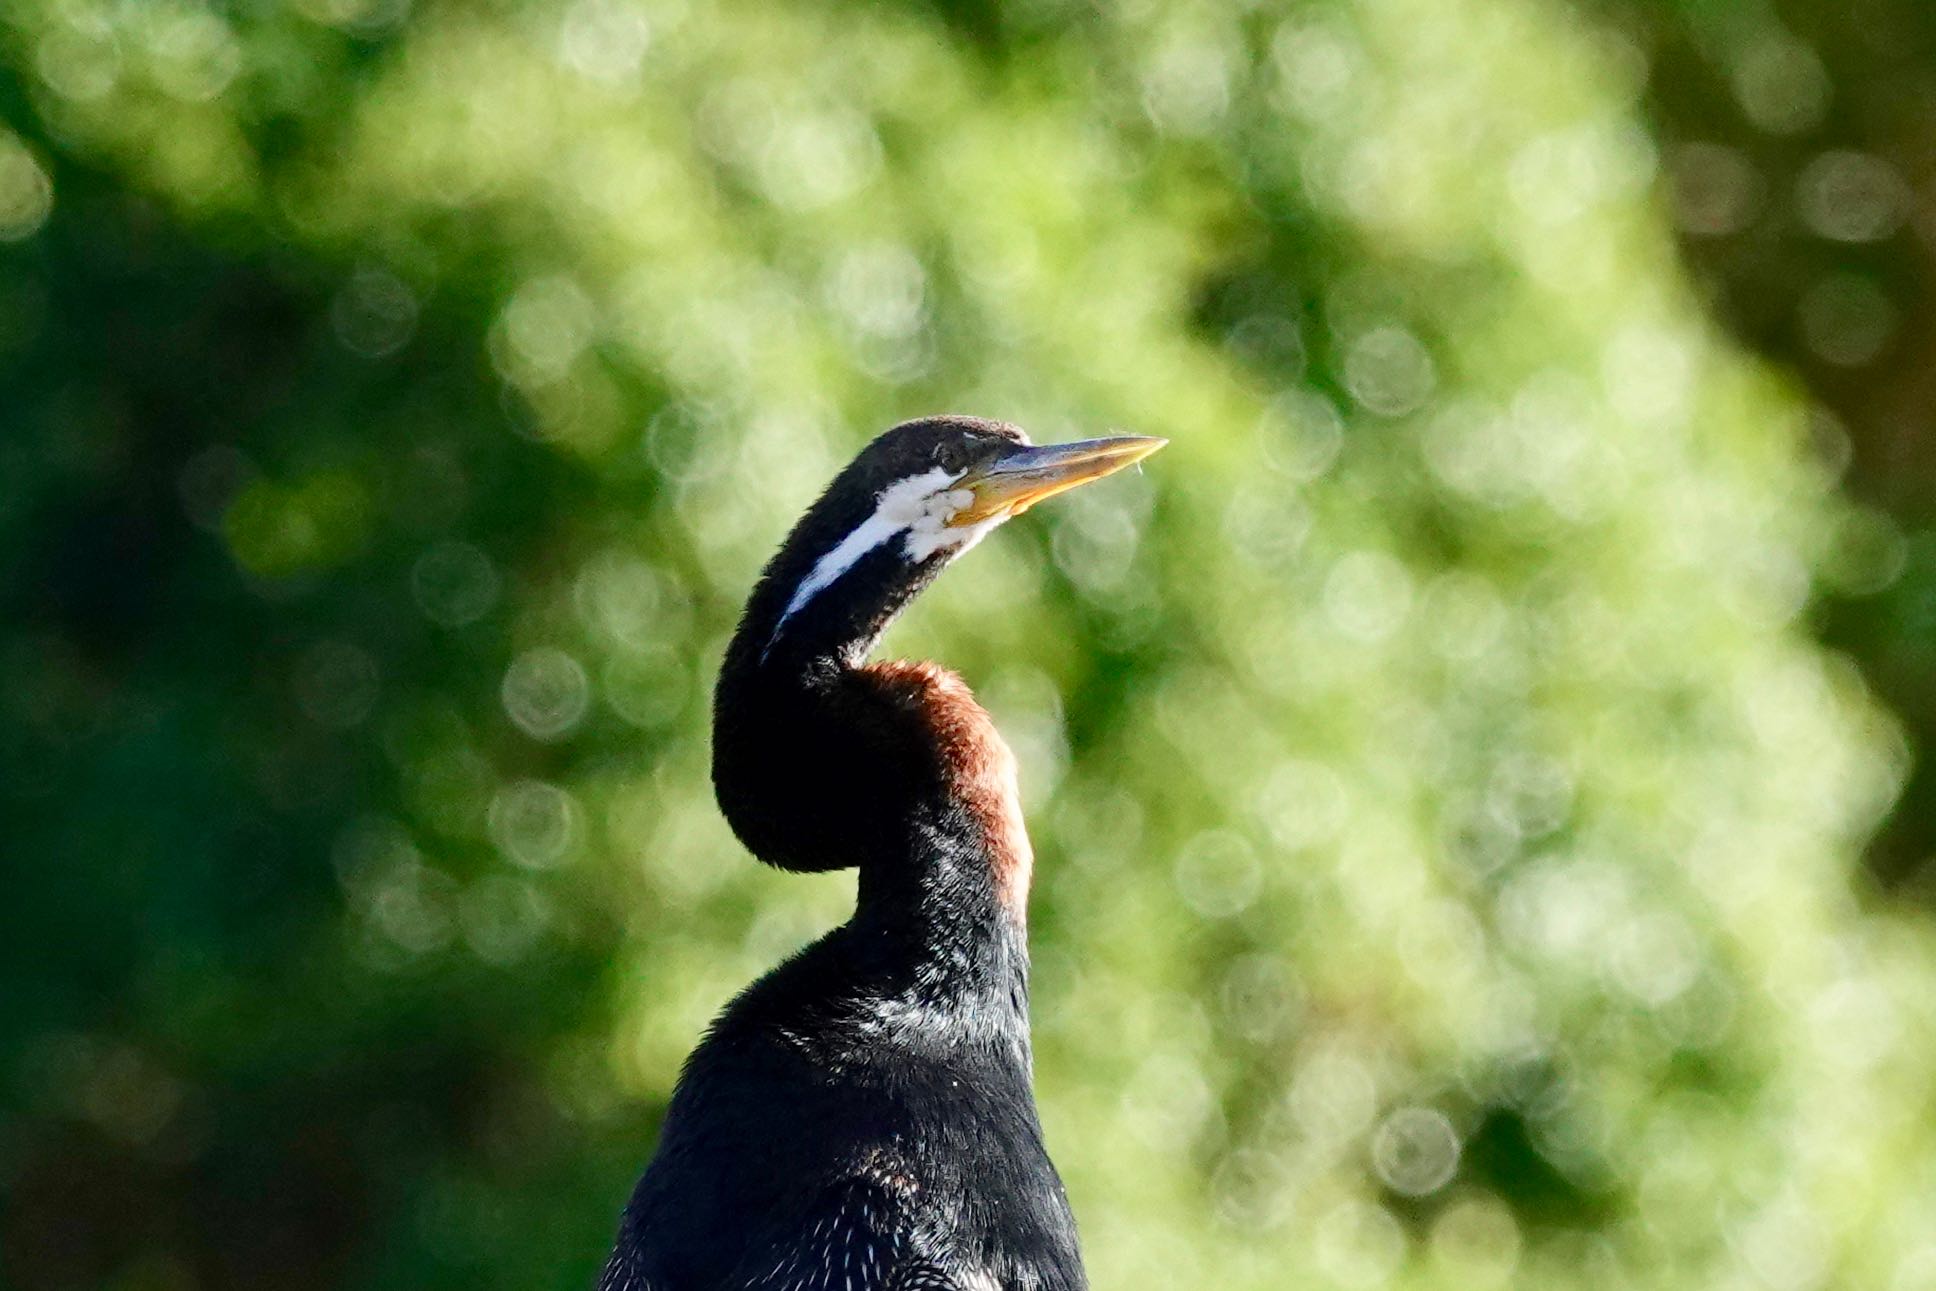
{"x": 852, "y": 1139}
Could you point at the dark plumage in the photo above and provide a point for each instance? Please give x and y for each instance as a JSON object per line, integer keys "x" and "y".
{"x": 861, "y": 1118}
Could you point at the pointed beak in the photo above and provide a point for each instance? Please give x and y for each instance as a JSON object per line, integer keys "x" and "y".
{"x": 1017, "y": 480}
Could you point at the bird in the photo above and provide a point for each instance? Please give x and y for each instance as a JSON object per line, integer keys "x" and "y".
{"x": 863, "y": 1117}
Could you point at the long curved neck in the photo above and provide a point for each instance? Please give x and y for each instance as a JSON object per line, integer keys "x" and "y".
{"x": 821, "y": 761}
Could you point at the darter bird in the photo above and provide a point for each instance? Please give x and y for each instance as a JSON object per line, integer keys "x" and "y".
{"x": 862, "y": 1117}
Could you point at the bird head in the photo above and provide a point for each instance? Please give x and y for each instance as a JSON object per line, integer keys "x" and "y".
{"x": 915, "y": 498}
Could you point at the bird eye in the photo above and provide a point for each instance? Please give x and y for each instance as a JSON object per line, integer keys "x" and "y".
{"x": 951, "y": 457}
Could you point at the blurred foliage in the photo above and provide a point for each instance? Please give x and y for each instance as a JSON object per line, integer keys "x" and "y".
{"x": 1449, "y": 814}
{"x": 1798, "y": 165}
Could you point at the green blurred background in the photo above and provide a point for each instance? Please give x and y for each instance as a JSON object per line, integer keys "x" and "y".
{"x": 1474, "y": 770}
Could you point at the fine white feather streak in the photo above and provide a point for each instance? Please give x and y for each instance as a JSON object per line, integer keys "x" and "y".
{"x": 915, "y": 503}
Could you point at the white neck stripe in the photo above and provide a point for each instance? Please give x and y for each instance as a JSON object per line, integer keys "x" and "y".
{"x": 873, "y": 531}
{"x": 905, "y": 505}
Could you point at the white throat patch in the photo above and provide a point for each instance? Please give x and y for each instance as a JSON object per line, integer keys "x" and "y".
{"x": 918, "y": 506}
